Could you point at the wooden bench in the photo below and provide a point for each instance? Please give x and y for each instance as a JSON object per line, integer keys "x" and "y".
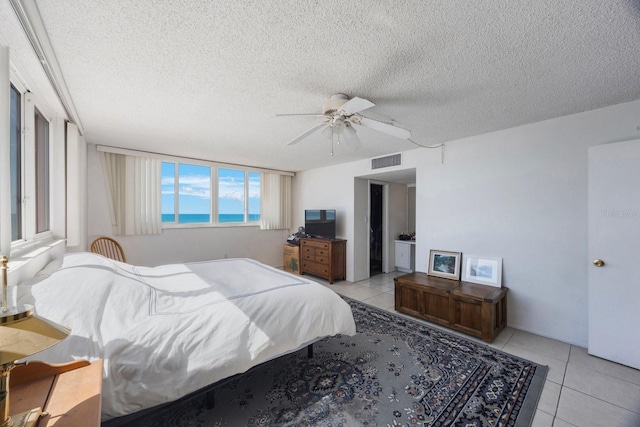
{"x": 474, "y": 309}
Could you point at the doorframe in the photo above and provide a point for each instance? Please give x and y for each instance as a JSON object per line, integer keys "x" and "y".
{"x": 360, "y": 248}
{"x": 385, "y": 225}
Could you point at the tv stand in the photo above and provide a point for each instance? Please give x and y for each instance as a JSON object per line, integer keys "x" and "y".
{"x": 325, "y": 258}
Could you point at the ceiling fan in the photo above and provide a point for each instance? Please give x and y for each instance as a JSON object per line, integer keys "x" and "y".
{"x": 340, "y": 115}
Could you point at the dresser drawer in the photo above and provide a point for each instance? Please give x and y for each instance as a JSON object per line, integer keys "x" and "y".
{"x": 315, "y": 268}
{"x": 308, "y": 252}
{"x": 321, "y": 260}
{"x": 322, "y": 252}
{"x": 317, "y": 244}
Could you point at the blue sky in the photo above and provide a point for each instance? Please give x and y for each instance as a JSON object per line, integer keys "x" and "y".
{"x": 195, "y": 191}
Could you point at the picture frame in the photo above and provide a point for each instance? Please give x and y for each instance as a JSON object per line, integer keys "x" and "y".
{"x": 444, "y": 264}
{"x": 482, "y": 270}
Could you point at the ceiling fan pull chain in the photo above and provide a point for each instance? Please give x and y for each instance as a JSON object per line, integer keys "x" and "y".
{"x": 332, "y": 142}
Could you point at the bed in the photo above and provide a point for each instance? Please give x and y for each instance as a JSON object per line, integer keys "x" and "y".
{"x": 168, "y": 331}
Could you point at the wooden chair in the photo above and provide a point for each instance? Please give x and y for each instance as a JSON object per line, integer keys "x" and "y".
{"x": 108, "y": 247}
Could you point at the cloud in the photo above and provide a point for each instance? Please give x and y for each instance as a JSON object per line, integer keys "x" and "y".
{"x": 229, "y": 187}
{"x": 188, "y": 185}
{"x": 195, "y": 180}
{"x": 202, "y": 192}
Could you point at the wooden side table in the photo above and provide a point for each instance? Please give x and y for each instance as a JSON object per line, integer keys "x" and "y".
{"x": 69, "y": 394}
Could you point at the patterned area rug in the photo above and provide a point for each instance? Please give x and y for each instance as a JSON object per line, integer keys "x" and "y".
{"x": 394, "y": 372}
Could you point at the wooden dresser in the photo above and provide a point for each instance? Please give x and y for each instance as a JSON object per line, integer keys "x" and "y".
{"x": 325, "y": 258}
{"x": 69, "y": 394}
{"x": 477, "y": 310}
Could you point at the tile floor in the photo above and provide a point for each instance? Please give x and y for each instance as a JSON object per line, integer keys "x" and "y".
{"x": 580, "y": 390}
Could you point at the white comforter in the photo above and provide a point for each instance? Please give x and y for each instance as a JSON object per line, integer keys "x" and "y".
{"x": 164, "y": 332}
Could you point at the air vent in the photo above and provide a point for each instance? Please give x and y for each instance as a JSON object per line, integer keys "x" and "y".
{"x": 387, "y": 161}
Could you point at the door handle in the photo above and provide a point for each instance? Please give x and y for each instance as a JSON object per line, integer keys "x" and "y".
{"x": 598, "y": 262}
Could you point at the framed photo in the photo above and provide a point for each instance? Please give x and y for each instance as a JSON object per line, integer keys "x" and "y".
{"x": 444, "y": 264}
{"x": 482, "y": 270}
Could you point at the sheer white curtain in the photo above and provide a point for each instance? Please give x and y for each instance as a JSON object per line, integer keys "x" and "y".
{"x": 133, "y": 188}
{"x": 275, "y": 202}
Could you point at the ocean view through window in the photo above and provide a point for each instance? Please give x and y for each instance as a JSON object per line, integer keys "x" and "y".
{"x": 187, "y": 195}
{"x": 195, "y": 218}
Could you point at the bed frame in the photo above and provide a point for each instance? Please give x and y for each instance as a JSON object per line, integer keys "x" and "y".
{"x": 209, "y": 392}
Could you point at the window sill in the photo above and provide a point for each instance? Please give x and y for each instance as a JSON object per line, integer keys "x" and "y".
{"x": 208, "y": 225}
{"x": 35, "y": 246}
{"x": 36, "y": 252}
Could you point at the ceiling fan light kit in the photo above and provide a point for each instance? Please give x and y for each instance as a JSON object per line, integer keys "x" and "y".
{"x": 341, "y": 114}
{"x": 338, "y": 122}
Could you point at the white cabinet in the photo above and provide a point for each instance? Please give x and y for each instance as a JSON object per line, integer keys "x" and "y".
{"x": 405, "y": 255}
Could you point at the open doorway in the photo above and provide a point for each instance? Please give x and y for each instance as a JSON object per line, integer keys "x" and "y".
{"x": 394, "y": 219}
{"x": 376, "y": 223}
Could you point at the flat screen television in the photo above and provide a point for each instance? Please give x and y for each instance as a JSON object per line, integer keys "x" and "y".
{"x": 320, "y": 223}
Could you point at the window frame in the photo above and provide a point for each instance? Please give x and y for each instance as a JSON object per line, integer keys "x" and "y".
{"x": 42, "y": 193}
{"x": 213, "y": 195}
{"x": 30, "y": 106}
{"x": 20, "y": 171}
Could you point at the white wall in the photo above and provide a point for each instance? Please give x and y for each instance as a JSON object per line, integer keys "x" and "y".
{"x": 411, "y": 209}
{"x": 519, "y": 194}
{"x": 396, "y": 215}
{"x": 179, "y": 245}
{"x": 77, "y": 191}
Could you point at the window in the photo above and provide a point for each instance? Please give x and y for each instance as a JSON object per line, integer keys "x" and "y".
{"x": 30, "y": 171}
{"x": 231, "y": 200}
{"x": 237, "y": 201}
{"x": 16, "y": 164}
{"x": 194, "y": 193}
{"x": 254, "y": 197}
{"x": 42, "y": 172}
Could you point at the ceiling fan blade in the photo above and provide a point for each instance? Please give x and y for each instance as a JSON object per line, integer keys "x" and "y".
{"x": 305, "y": 134}
{"x": 386, "y": 128}
{"x": 355, "y": 105}
{"x": 299, "y": 114}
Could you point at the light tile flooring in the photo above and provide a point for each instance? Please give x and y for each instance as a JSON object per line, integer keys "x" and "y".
{"x": 580, "y": 390}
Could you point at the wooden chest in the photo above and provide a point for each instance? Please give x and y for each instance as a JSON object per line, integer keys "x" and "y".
{"x": 474, "y": 309}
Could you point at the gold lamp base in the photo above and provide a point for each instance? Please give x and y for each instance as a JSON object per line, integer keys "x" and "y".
{"x": 25, "y": 419}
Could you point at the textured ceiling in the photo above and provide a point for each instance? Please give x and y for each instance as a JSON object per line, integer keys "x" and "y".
{"x": 205, "y": 79}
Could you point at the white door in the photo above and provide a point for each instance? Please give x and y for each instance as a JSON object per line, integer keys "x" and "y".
{"x": 614, "y": 239}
